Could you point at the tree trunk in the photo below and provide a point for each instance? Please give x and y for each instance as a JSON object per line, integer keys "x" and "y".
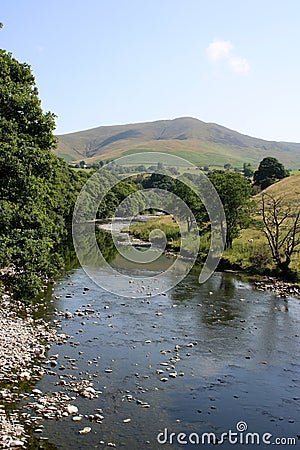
{"x": 228, "y": 243}
{"x": 189, "y": 224}
{"x": 284, "y": 265}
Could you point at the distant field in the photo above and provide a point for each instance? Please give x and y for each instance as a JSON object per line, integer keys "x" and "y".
{"x": 197, "y": 158}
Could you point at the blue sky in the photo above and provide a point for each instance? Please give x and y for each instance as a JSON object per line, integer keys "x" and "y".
{"x": 105, "y": 62}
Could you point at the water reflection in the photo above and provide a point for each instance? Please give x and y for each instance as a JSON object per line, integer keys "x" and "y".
{"x": 215, "y": 298}
{"x": 272, "y": 339}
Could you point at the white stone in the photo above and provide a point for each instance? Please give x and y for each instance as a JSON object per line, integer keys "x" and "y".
{"x": 85, "y": 430}
{"x": 72, "y": 409}
{"x": 16, "y": 443}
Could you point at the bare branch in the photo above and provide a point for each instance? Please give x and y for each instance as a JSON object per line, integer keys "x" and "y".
{"x": 281, "y": 227}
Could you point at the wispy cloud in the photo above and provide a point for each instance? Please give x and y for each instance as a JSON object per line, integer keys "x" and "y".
{"x": 239, "y": 65}
{"x": 219, "y": 50}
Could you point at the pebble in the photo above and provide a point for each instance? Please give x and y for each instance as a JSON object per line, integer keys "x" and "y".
{"x": 89, "y": 392}
{"x": 85, "y": 430}
{"x": 23, "y": 341}
{"x": 36, "y": 391}
{"x": 282, "y": 288}
{"x": 16, "y": 443}
{"x": 71, "y": 409}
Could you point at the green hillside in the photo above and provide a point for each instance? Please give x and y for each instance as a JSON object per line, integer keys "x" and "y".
{"x": 200, "y": 142}
{"x": 288, "y": 187}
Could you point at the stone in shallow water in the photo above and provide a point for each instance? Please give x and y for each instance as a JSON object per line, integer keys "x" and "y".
{"x": 72, "y": 409}
{"x": 36, "y": 391}
{"x": 77, "y": 418}
{"x": 173, "y": 374}
{"x": 85, "y": 430}
{"x": 16, "y": 443}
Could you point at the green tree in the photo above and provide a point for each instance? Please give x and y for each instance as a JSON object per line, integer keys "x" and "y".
{"x": 234, "y": 192}
{"x": 269, "y": 171}
{"x": 37, "y": 190}
{"x": 114, "y": 197}
{"x": 247, "y": 170}
{"x": 159, "y": 181}
{"x": 192, "y": 200}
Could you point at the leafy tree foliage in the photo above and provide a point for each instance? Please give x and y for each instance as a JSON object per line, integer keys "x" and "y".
{"x": 192, "y": 200}
{"x": 247, "y": 170}
{"x": 269, "y": 171}
{"x": 37, "y": 190}
{"x": 114, "y": 197}
{"x": 159, "y": 181}
{"x": 234, "y": 192}
{"x": 227, "y": 166}
{"x": 233, "y": 189}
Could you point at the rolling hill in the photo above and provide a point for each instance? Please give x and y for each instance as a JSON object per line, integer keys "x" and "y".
{"x": 288, "y": 187}
{"x": 202, "y": 143}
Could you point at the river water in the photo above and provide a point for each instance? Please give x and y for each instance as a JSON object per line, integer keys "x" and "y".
{"x": 235, "y": 350}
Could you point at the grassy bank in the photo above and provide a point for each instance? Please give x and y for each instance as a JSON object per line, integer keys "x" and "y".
{"x": 249, "y": 253}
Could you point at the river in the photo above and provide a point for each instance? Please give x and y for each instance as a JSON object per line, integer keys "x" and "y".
{"x": 197, "y": 359}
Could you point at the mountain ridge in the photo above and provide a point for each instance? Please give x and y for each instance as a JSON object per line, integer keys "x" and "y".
{"x": 203, "y": 143}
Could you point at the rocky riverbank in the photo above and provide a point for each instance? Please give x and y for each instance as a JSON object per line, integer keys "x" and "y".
{"x": 24, "y": 359}
{"x": 23, "y": 344}
{"x": 281, "y": 288}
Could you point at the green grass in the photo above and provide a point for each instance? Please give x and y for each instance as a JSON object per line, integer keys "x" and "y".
{"x": 212, "y": 158}
{"x": 249, "y": 253}
{"x": 166, "y": 224}
{"x": 78, "y": 169}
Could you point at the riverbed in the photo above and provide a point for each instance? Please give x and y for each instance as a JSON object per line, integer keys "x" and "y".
{"x": 197, "y": 359}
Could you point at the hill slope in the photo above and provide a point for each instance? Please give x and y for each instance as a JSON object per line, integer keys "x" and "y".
{"x": 200, "y": 142}
{"x": 288, "y": 187}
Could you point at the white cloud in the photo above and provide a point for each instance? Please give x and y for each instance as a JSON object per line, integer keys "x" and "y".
{"x": 218, "y": 50}
{"x": 223, "y": 50}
